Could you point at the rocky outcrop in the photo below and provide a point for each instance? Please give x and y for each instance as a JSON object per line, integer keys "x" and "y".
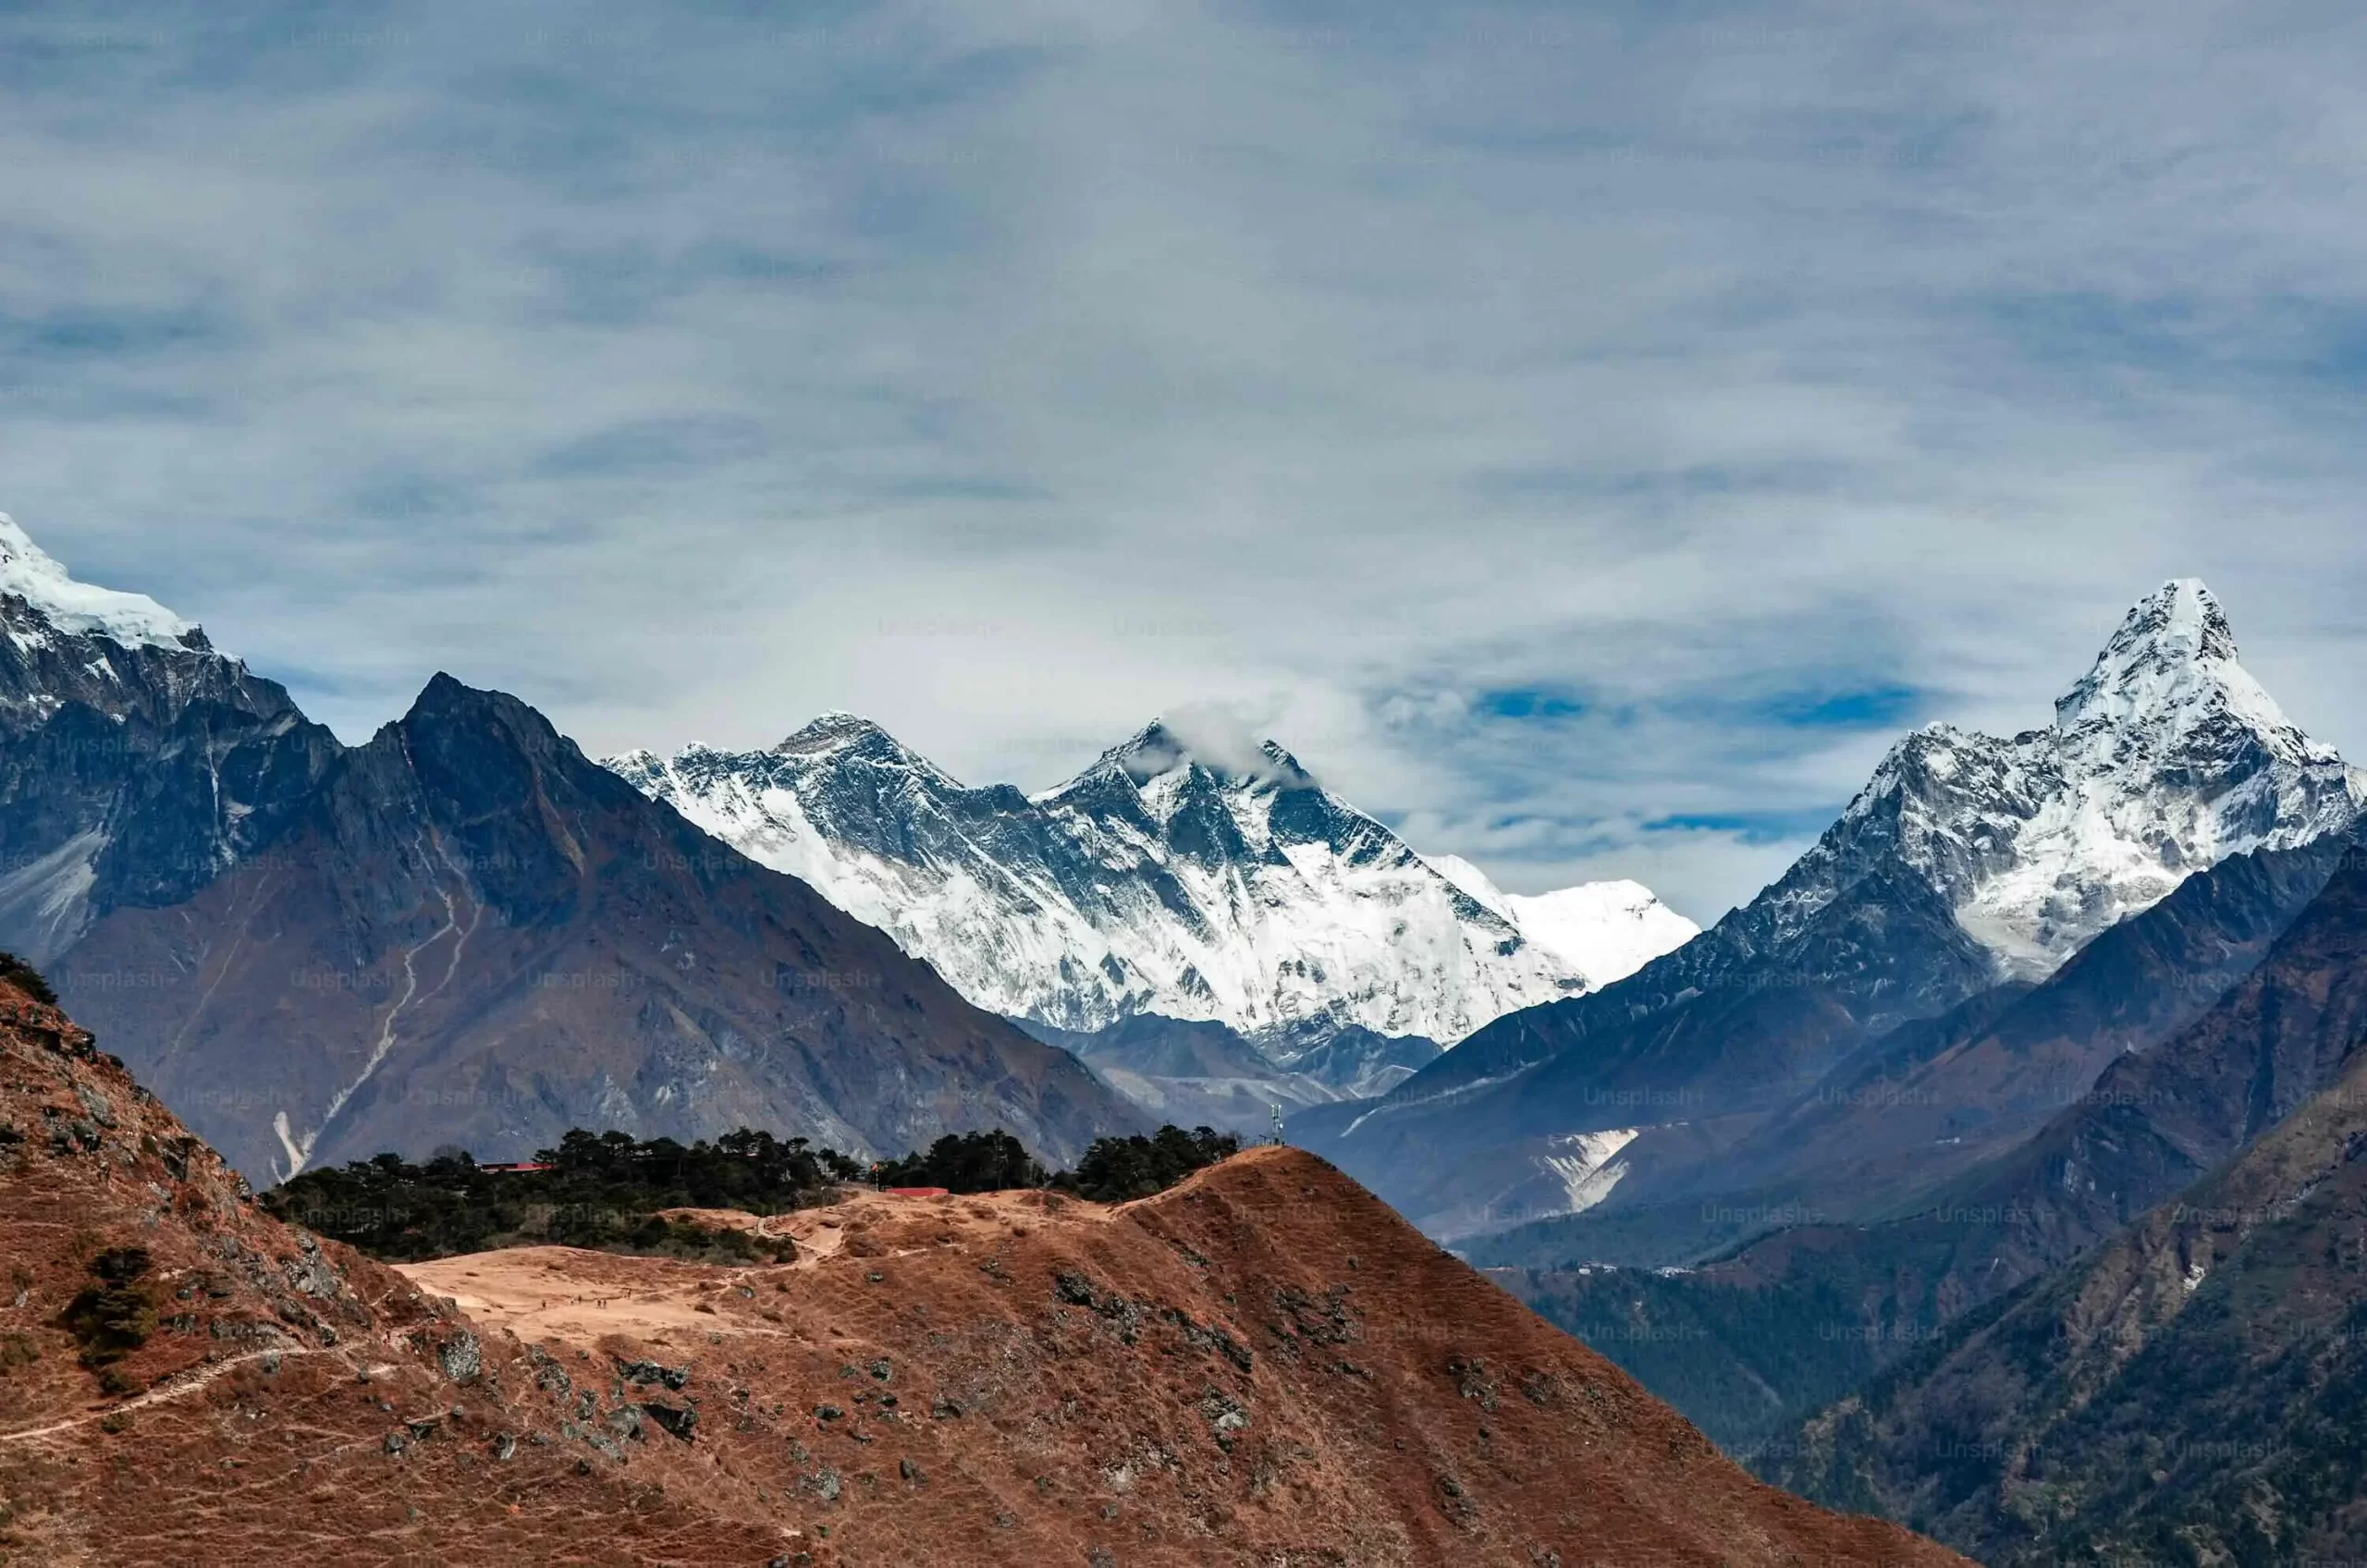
{"x": 137, "y": 762}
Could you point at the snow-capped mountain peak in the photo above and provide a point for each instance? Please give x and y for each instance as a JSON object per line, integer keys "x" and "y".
{"x": 87, "y": 827}
{"x": 2165, "y": 758}
{"x": 2178, "y": 624}
{"x": 1202, "y": 878}
{"x": 835, "y": 731}
{"x": 1608, "y": 930}
{"x": 1159, "y": 750}
{"x": 845, "y": 740}
{"x": 31, "y": 573}
{"x": 2170, "y": 669}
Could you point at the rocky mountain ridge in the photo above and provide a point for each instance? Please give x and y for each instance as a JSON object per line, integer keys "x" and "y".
{"x": 1971, "y": 1158}
{"x": 1160, "y": 880}
{"x": 1920, "y": 1108}
{"x": 1966, "y": 862}
{"x": 471, "y": 932}
{"x": 461, "y": 927}
{"x": 2191, "y": 1374}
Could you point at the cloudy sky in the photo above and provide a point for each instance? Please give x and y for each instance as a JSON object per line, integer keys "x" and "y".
{"x": 1584, "y": 435}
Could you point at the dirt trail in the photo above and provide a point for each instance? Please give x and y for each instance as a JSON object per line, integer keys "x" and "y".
{"x": 179, "y": 1388}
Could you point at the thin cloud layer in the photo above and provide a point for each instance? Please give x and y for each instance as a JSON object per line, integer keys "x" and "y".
{"x": 1584, "y": 440}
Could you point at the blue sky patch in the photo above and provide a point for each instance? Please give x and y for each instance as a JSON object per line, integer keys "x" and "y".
{"x": 1877, "y": 708}
{"x": 1751, "y": 826}
{"x": 1531, "y": 704}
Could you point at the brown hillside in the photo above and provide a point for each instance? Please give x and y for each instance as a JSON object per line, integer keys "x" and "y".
{"x": 292, "y": 1401}
{"x": 1263, "y": 1365}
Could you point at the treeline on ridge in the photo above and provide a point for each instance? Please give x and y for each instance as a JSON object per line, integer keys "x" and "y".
{"x": 608, "y": 1191}
{"x": 1112, "y": 1171}
{"x": 1120, "y": 1170}
{"x": 600, "y": 1191}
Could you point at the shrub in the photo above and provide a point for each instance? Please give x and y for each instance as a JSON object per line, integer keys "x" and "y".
{"x": 26, "y": 977}
{"x": 114, "y": 1315}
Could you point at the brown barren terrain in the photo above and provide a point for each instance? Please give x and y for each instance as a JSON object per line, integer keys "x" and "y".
{"x": 1263, "y": 1365}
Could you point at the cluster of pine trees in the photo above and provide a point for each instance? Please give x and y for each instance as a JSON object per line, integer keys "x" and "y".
{"x": 597, "y": 1189}
{"x": 607, "y": 1191}
{"x": 1112, "y": 1170}
{"x": 1120, "y": 1170}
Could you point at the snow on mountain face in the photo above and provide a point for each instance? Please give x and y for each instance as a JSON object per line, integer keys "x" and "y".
{"x": 1608, "y": 930}
{"x": 29, "y": 572}
{"x": 1472, "y": 880}
{"x": 2164, "y": 759}
{"x": 1157, "y": 880}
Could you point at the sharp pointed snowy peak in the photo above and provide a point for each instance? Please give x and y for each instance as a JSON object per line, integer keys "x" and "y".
{"x": 2164, "y": 759}
{"x": 2167, "y": 696}
{"x": 836, "y": 729}
{"x": 845, "y": 735}
{"x": 2170, "y": 669}
{"x": 1195, "y": 876}
{"x": 1159, "y": 750}
{"x": 1967, "y": 861}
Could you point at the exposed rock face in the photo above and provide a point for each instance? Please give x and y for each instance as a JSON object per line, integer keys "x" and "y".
{"x": 136, "y": 761}
{"x": 1261, "y": 1363}
{"x": 469, "y": 933}
{"x": 1967, "y": 859}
